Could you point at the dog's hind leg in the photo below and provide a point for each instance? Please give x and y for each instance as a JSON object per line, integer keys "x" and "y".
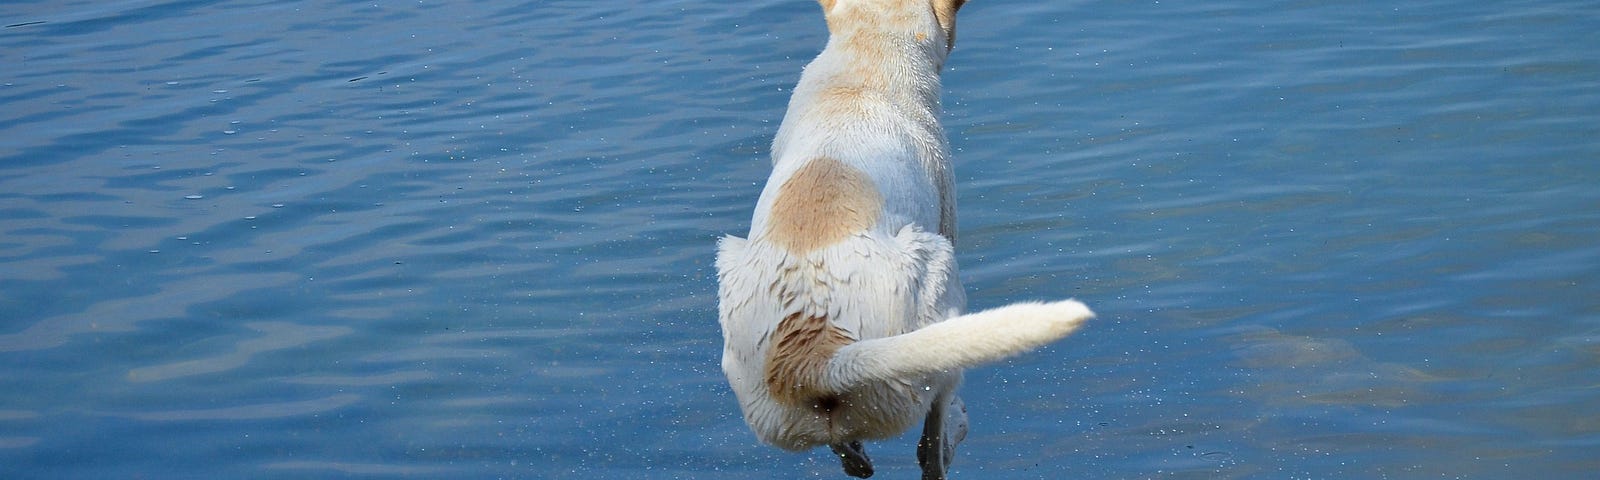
{"x": 945, "y": 426}
{"x": 853, "y": 458}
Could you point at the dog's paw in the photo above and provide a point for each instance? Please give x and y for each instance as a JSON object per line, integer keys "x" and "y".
{"x": 854, "y": 459}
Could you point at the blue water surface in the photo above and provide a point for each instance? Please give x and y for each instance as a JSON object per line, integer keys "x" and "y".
{"x": 308, "y": 239}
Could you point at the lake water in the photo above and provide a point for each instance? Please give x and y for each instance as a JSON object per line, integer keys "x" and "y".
{"x": 258, "y": 239}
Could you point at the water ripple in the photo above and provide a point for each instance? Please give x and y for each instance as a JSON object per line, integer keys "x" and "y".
{"x": 250, "y": 412}
{"x": 362, "y": 238}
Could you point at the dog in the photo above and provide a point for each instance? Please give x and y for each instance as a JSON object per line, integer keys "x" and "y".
{"x": 842, "y": 311}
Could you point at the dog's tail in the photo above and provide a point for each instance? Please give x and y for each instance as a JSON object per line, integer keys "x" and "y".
{"x": 964, "y": 341}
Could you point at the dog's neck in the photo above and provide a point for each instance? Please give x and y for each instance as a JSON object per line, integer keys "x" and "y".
{"x": 896, "y": 60}
{"x": 865, "y": 63}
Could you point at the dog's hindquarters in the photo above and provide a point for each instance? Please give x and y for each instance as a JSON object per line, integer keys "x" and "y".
{"x": 881, "y": 305}
{"x": 781, "y": 310}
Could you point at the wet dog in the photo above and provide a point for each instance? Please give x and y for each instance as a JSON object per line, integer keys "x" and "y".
{"x": 842, "y": 313}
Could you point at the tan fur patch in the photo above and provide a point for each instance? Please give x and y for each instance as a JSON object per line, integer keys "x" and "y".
{"x": 822, "y": 204}
{"x": 797, "y": 358}
{"x": 945, "y": 11}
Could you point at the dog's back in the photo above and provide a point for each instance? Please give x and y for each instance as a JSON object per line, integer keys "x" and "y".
{"x": 867, "y": 108}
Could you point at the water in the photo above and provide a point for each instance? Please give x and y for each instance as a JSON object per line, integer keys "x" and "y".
{"x": 322, "y": 239}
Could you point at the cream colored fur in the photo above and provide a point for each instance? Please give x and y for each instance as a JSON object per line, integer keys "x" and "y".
{"x": 842, "y": 313}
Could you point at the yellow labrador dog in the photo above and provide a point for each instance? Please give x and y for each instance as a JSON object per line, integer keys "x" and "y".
{"x": 842, "y": 313}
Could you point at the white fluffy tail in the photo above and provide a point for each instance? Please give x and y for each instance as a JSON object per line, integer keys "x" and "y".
{"x": 959, "y": 342}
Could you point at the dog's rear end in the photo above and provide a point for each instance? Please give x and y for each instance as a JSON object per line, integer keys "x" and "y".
{"x": 841, "y": 314}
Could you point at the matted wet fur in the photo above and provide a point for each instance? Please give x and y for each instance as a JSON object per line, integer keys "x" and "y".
{"x": 842, "y": 313}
